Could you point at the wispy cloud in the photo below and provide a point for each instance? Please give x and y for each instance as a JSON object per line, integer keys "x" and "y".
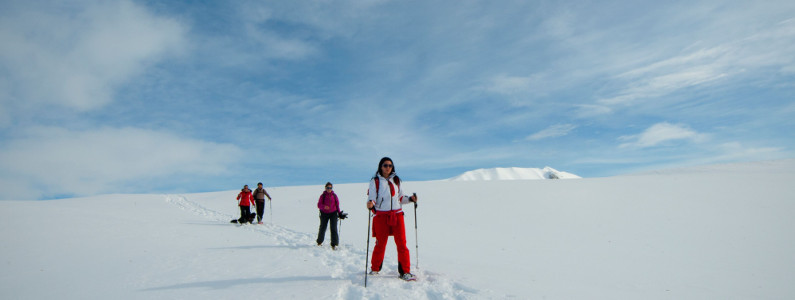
{"x": 552, "y": 131}
{"x": 586, "y": 111}
{"x": 661, "y": 133}
{"x": 702, "y": 65}
{"x": 513, "y": 85}
{"x": 736, "y": 151}
{"x": 668, "y": 76}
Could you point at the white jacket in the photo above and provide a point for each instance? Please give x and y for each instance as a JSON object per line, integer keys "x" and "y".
{"x": 385, "y": 200}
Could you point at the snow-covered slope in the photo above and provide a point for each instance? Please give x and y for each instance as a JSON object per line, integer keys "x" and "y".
{"x": 513, "y": 174}
{"x": 712, "y": 232}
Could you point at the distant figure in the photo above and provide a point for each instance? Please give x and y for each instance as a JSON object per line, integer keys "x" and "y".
{"x": 259, "y": 196}
{"x": 386, "y": 198}
{"x": 329, "y": 205}
{"x": 245, "y": 200}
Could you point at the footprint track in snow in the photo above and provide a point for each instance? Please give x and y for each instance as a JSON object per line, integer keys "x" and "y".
{"x": 347, "y": 262}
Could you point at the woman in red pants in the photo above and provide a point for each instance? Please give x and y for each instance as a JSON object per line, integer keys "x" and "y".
{"x": 386, "y": 198}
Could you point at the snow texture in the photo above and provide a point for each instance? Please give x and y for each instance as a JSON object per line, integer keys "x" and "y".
{"x": 711, "y": 232}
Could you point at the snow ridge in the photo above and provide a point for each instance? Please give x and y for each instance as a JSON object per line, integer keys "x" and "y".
{"x": 513, "y": 174}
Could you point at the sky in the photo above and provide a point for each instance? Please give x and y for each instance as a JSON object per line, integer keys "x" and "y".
{"x": 123, "y": 96}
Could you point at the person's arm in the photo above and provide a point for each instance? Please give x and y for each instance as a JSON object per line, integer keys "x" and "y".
{"x": 401, "y": 196}
{"x": 371, "y": 194}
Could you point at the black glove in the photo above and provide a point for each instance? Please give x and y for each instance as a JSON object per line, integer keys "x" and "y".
{"x": 342, "y": 215}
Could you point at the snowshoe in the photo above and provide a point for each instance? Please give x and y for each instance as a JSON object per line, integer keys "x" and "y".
{"x": 408, "y": 277}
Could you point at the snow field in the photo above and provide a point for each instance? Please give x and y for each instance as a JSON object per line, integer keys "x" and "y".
{"x": 709, "y": 232}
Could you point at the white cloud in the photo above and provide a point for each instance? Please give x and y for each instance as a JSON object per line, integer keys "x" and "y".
{"x": 53, "y": 161}
{"x": 552, "y": 131}
{"x": 661, "y": 133}
{"x": 76, "y": 55}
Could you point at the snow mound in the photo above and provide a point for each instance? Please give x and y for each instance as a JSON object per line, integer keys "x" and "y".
{"x": 513, "y": 174}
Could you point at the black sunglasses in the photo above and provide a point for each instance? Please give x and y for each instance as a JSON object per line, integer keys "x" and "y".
{"x": 328, "y": 187}
{"x": 386, "y": 165}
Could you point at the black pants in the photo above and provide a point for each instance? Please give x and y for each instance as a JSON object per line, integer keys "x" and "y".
{"x": 321, "y": 234}
{"x": 244, "y": 214}
{"x": 260, "y": 210}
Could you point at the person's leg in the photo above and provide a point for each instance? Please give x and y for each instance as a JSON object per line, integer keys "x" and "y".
{"x": 260, "y": 210}
{"x": 335, "y": 238}
{"x": 381, "y": 232}
{"x": 321, "y": 233}
{"x": 404, "y": 257}
{"x": 247, "y": 211}
{"x": 243, "y": 214}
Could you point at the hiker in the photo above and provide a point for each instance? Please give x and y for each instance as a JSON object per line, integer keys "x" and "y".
{"x": 386, "y": 198}
{"x": 259, "y": 196}
{"x": 245, "y": 200}
{"x": 329, "y": 206}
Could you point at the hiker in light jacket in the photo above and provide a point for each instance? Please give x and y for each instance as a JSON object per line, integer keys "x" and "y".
{"x": 386, "y": 198}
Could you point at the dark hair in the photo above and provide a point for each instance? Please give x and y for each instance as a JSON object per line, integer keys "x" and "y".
{"x": 384, "y": 159}
{"x": 328, "y": 183}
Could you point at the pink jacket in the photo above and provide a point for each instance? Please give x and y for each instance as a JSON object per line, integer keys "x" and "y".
{"x": 328, "y": 199}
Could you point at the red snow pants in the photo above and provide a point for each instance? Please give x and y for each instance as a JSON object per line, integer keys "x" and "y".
{"x": 384, "y": 225}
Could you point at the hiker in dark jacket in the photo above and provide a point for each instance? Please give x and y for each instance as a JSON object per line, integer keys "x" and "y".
{"x": 259, "y": 196}
{"x": 329, "y": 206}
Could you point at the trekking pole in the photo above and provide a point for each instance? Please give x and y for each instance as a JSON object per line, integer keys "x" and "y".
{"x": 416, "y": 240}
{"x": 367, "y": 257}
{"x": 271, "y": 209}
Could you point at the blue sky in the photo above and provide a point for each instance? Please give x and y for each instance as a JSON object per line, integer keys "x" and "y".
{"x": 166, "y": 96}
